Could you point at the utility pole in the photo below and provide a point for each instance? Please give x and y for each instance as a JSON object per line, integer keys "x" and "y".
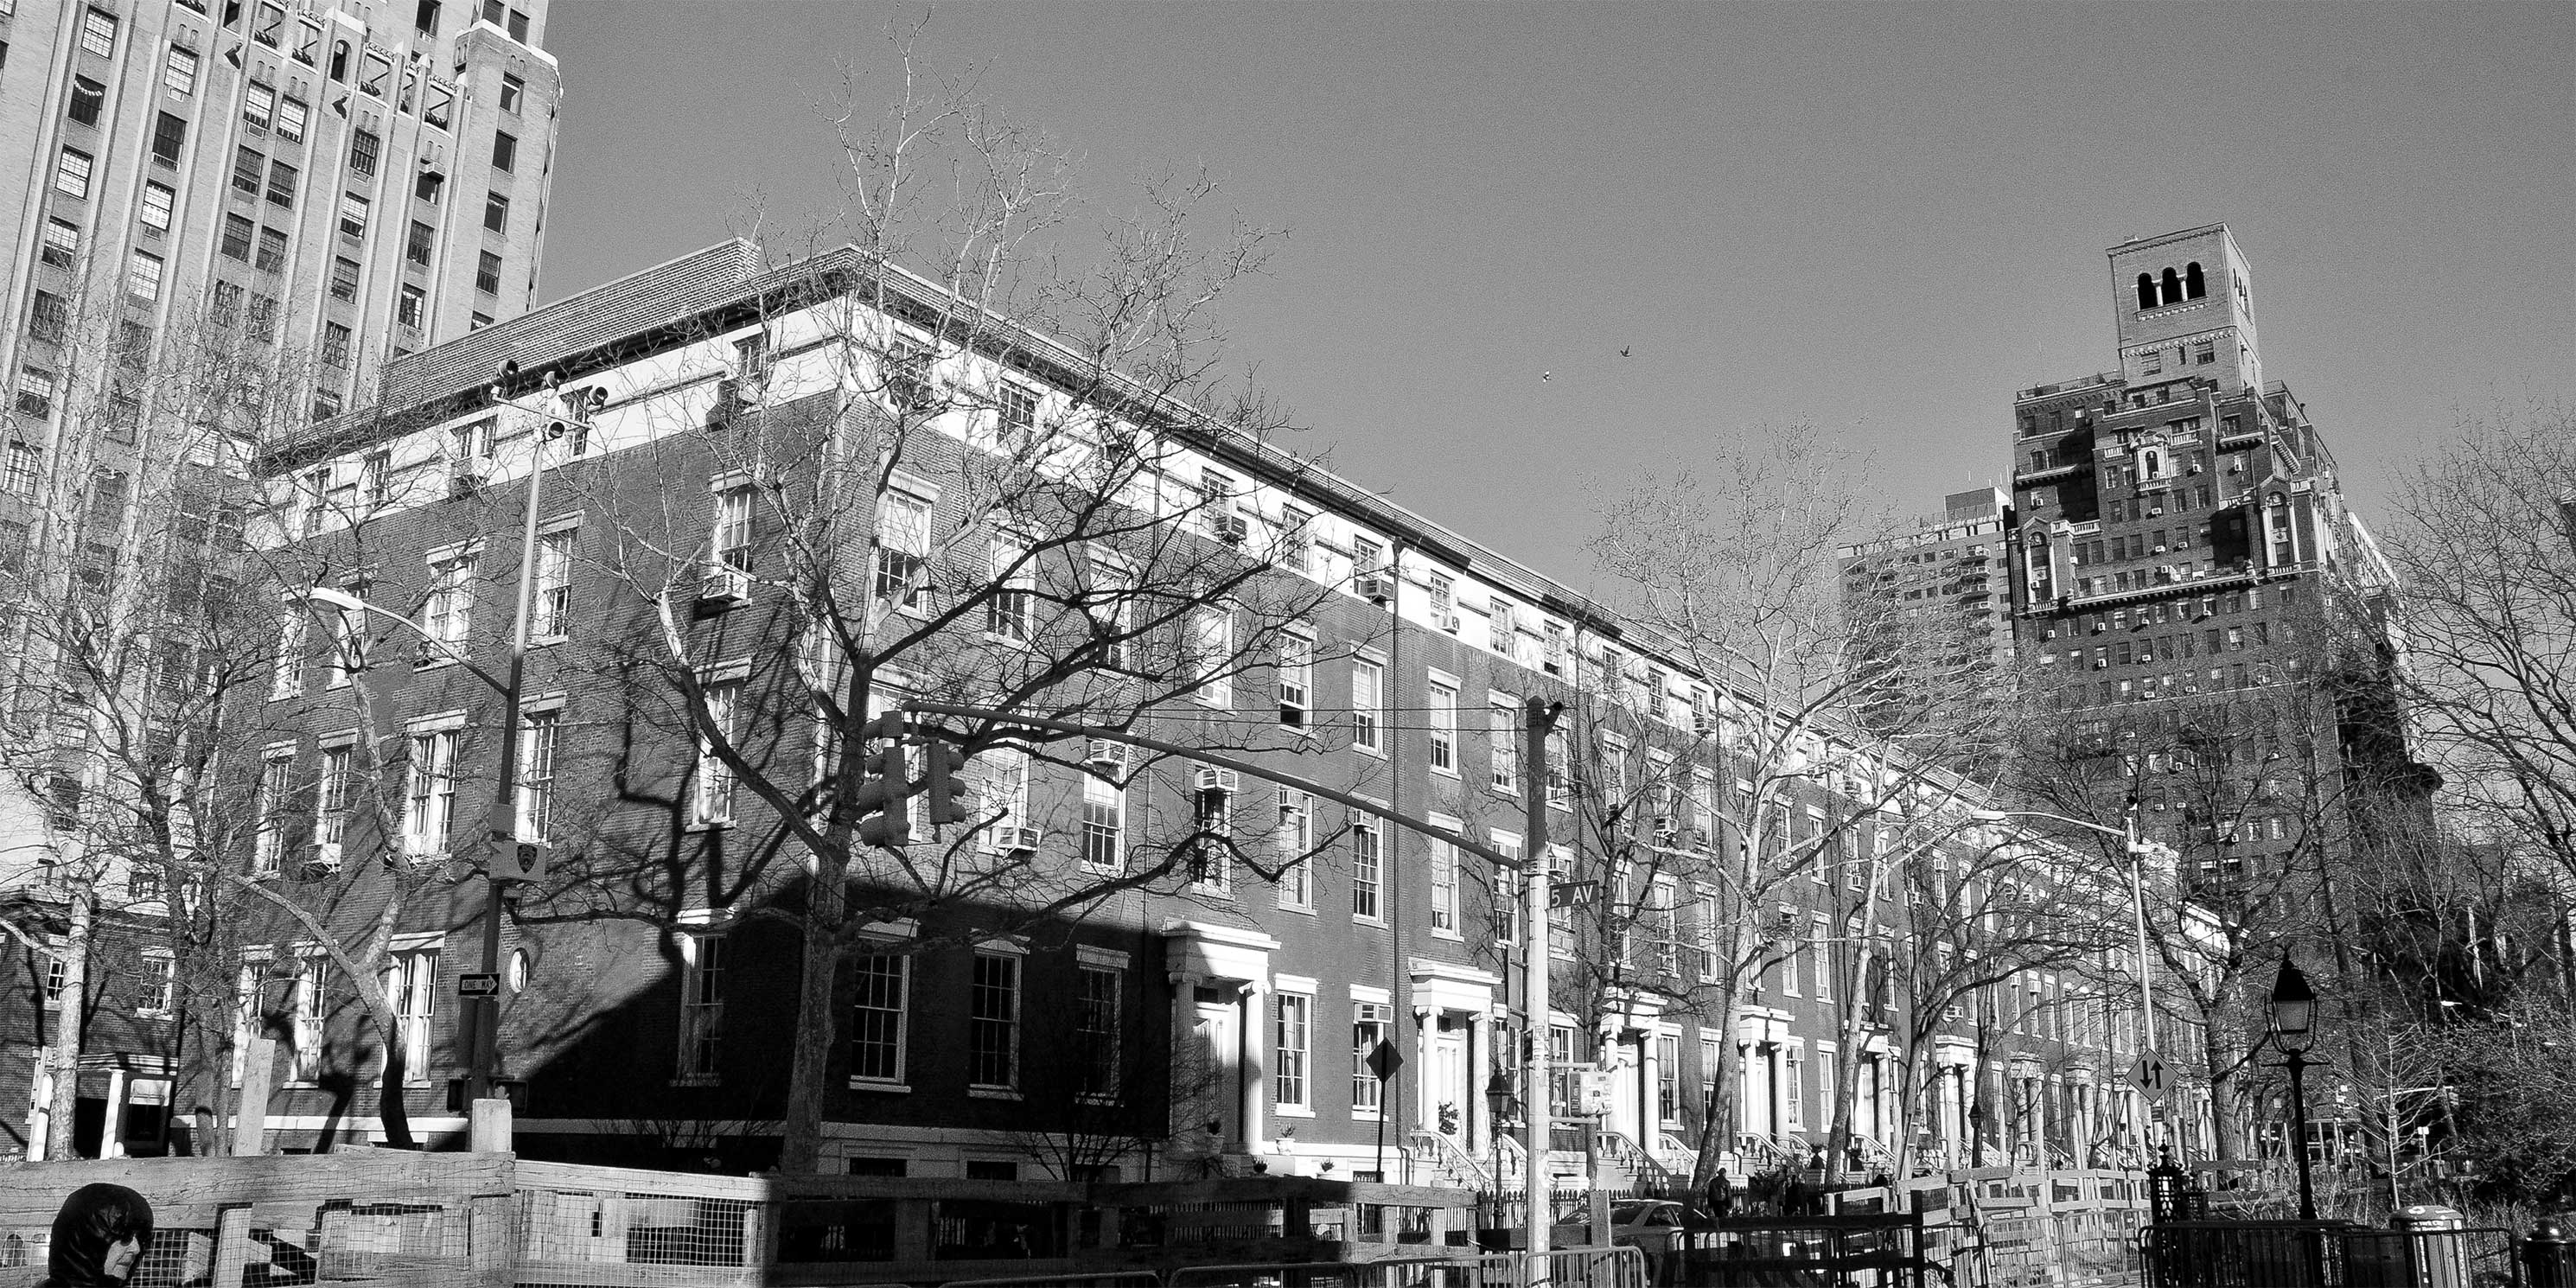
{"x": 1538, "y": 895}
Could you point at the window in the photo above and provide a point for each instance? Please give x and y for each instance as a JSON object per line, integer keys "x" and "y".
{"x": 159, "y": 985}
{"x": 276, "y": 775}
{"x": 1212, "y": 655}
{"x": 1368, "y": 1028}
{"x": 1296, "y": 838}
{"x": 335, "y": 345}
{"x": 353, "y": 216}
{"x": 1010, "y": 606}
{"x": 1296, "y": 678}
{"x": 903, "y": 550}
{"x": 448, "y": 614}
{"x": 553, "y": 603}
{"x": 1104, "y": 816}
{"x": 730, "y": 574}
{"x": 702, "y": 978}
{"x": 1444, "y": 888}
{"x": 288, "y": 679}
{"x": 344, "y": 279}
{"x": 179, "y": 72}
{"x": 1503, "y": 746}
{"x": 430, "y": 796}
{"x": 496, "y": 212}
{"x": 272, "y": 251}
{"x": 18, "y": 469}
{"x": 877, "y": 1017}
{"x": 159, "y": 202}
{"x": 1668, "y": 1078}
{"x": 57, "y": 979}
{"x": 1015, "y": 417}
{"x": 1442, "y": 720}
{"x": 512, "y": 88}
{"x": 1095, "y": 1031}
{"x": 331, "y": 798}
{"x": 411, "y": 985}
{"x": 1295, "y": 550}
{"x": 364, "y": 150}
{"x": 50, "y": 319}
{"x": 1368, "y": 704}
{"x": 261, "y": 317}
{"x": 88, "y": 96}
{"x": 348, "y": 640}
{"x": 416, "y": 248}
{"x": 98, "y": 33}
{"x": 304, "y": 1028}
{"x": 537, "y": 730}
{"x": 259, "y": 107}
{"x": 413, "y": 303}
{"x": 1793, "y": 1087}
{"x": 238, "y": 233}
{"x": 291, "y": 116}
{"x": 714, "y": 803}
{"x": 505, "y": 151}
{"x": 1365, "y": 869}
{"x": 62, "y": 243}
{"x": 993, "y": 1022}
{"x": 35, "y": 393}
{"x": 427, "y": 186}
{"x": 1293, "y": 1046}
{"x": 487, "y": 273}
{"x": 1003, "y": 797}
{"x": 71, "y": 174}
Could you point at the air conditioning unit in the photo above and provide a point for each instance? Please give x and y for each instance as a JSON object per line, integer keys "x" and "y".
{"x": 469, "y": 474}
{"x": 1019, "y": 842}
{"x": 1232, "y": 529}
{"x": 1667, "y": 831}
{"x": 1448, "y": 621}
{"x": 326, "y": 857}
{"x": 1704, "y": 723}
{"x": 2101, "y": 663}
{"x": 2236, "y": 466}
{"x": 721, "y": 582}
{"x": 2100, "y": 626}
{"x": 2155, "y": 511}
{"x": 1102, "y": 751}
{"x": 1211, "y": 778}
{"x": 1376, "y": 588}
{"x": 2193, "y": 468}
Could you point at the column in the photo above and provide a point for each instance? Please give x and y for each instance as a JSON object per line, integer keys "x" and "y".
{"x": 111, "y": 1137}
{"x": 1418, "y": 1068}
{"x": 1480, "y": 1127}
{"x": 1254, "y": 1040}
{"x": 1185, "y": 1016}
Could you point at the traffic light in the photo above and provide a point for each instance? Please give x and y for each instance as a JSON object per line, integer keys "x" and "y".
{"x": 885, "y": 790}
{"x": 946, "y": 795}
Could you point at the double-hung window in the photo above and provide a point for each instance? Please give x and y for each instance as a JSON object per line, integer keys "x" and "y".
{"x": 552, "y": 603}
{"x": 1104, "y": 814}
{"x": 1099, "y": 990}
{"x": 1296, "y": 838}
{"x": 71, "y": 173}
{"x": 903, "y": 549}
{"x": 1296, "y": 678}
{"x": 331, "y": 800}
{"x": 1444, "y": 884}
{"x": 354, "y": 210}
{"x": 1368, "y": 1028}
{"x": 305, "y": 1011}
{"x": 1440, "y": 718}
{"x": 160, "y": 201}
{"x": 429, "y": 797}
{"x": 88, "y": 96}
{"x": 714, "y": 800}
{"x": 179, "y": 73}
{"x": 411, "y": 985}
{"x": 447, "y": 615}
{"x": 882, "y": 990}
{"x": 1293, "y": 1048}
{"x": 288, "y": 678}
{"x": 98, "y": 33}
{"x": 61, "y": 247}
{"x": 993, "y": 1022}
{"x": 276, "y": 778}
{"x": 1503, "y": 745}
{"x": 702, "y": 998}
{"x": 1010, "y": 609}
{"x": 1366, "y": 871}
{"x": 1211, "y": 654}
{"x": 536, "y": 797}
{"x": 259, "y": 107}
{"x": 1368, "y": 704}
{"x": 729, "y": 572}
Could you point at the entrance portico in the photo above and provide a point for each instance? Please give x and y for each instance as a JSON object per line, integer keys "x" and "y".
{"x": 1220, "y": 996}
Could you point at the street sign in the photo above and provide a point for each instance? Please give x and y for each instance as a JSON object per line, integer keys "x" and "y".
{"x": 1384, "y": 1060}
{"x": 1592, "y": 1090}
{"x": 2151, "y": 1075}
{"x": 478, "y": 984}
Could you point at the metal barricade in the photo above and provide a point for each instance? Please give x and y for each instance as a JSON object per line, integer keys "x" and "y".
{"x": 1490, "y": 1271}
{"x": 1877, "y": 1251}
{"x": 2330, "y": 1254}
{"x": 1106, "y": 1279}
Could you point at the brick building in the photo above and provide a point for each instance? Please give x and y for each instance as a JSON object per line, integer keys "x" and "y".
{"x": 1949, "y": 576}
{"x": 1216, "y": 1011}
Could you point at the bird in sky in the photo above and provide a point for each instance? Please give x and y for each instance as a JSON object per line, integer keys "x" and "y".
{"x": 1623, "y": 351}
{"x": 1546, "y": 375}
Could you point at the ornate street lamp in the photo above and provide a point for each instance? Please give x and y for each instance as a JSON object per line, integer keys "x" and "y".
{"x": 1501, "y": 1107}
{"x": 2294, "y": 1019}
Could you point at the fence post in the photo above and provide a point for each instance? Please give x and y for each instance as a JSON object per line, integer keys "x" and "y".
{"x": 232, "y": 1243}
{"x": 2547, "y": 1258}
{"x": 250, "y": 1106}
{"x": 492, "y": 1239}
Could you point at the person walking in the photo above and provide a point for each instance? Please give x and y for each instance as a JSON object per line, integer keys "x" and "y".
{"x": 1721, "y": 1195}
{"x": 99, "y": 1235}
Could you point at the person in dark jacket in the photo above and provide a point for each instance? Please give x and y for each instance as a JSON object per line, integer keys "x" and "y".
{"x": 99, "y": 1235}
{"x": 1721, "y": 1195}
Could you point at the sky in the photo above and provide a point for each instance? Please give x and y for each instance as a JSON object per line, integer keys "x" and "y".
{"x": 1885, "y": 218}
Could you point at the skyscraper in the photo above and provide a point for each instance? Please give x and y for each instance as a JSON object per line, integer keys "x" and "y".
{"x": 1947, "y": 578}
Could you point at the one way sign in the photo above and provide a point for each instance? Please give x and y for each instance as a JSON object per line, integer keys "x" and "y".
{"x": 2151, "y": 1076}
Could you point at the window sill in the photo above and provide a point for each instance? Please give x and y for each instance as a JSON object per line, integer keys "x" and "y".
{"x": 991, "y": 1093}
{"x": 697, "y": 1080}
{"x": 1455, "y": 937}
{"x": 1449, "y": 773}
{"x": 1367, "y": 750}
{"x": 1378, "y": 923}
{"x": 1297, "y": 909}
{"x": 1293, "y": 1111}
{"x": 1367, "y": 1115}
{"x": 880, "y": 1087}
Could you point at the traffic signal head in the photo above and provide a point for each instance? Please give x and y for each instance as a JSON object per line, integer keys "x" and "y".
{"x": 947, "y": 795}
{"x": 884, "y": 797}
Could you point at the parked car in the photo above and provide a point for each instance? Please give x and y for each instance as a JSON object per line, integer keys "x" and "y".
{"x": 1651, "y": 1224}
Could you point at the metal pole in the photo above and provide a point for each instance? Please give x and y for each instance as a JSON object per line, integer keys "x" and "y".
{"x": 2297, "y": 1064}
{"x": 483, "y": 1070}
{"x": 1540, "y": 719}
{"x": 2146, "y": 974}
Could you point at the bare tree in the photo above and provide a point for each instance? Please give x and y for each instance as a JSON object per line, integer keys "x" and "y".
{"x": 1835, "y": 721}
{"x": 950, "y": 470}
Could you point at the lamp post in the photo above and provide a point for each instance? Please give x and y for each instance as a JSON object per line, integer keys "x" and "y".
{"x": 1499, "y": 1105}
{"x": 2137, "y": 852}
{"x": 2294, "y": 1017}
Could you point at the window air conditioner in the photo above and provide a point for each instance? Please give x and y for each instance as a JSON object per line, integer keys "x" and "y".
{"x": 2101, "y": 663}
{"x": 2155, "y": 511}
{"x": 2236, "y": 466}
{"x": 1020, "y": 842}
{"x": 1374, "y": 587}
{"x": 326, "y": 857}
{"x": 1447, "y": 621}
{"x": 1211, "y": 778}
{"x": 1102, "y": 751}
{"x": 2193, "y": 468}
{"x": 469, "y": 475}
{"x": 2160, "y": 549}
{"x": 1232, "y": 529}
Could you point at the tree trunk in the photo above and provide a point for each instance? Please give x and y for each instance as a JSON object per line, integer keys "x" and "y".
{"x": 800, "y": 1149}
{"x": 1717, "y": 1134}
{"x": 2222, "y": 1110}
{"x": 63, "y": 1054}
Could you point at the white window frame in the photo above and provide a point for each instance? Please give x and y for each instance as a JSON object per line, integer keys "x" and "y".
{"x": 1440, "y": 720}
{"x": 1211, "y": 629}
{"x": 550, "y": 610}
{"x": 1502, "y": 744}
{"x": 1295, "y": 838}
{"x": 712, "y": 802}
{"x": 900, "y": 1011}
{"x": 1368, "y": 872}
{"x": 699, "y": 1060}
{"x": 540, "y": 742}
{"x": 1296, "y": 678}
{"x": 1292, "y": 1047}
{"x": 731, "y": 533}
{"x": 1010, "y": 1028}
{"x": 1368, "y": 705}
{"x": 276, "y": 783}
{"x": 1372, "y": 1018}
{"x": 1445, "y": 909}
{"x": 429, "y": 791}
{"x": 904, "y": 520}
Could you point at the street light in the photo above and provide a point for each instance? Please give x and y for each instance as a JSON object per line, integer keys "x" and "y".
{"x": 1499, "y": 1107}
{"x": 2294, "y": 1017}
{"x": 2137, "y": 852}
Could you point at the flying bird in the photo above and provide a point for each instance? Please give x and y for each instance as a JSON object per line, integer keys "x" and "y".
{"x": 1623, "y": 351}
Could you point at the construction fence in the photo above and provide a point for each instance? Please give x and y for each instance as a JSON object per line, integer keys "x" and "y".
{"x": 490, "y": 1220}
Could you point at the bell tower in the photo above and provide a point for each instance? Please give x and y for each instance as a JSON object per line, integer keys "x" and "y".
{"x": 2183, "y": 306}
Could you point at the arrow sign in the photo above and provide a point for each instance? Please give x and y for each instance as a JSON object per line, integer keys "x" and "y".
{"x": 1384, "y": 1060}
{"x": 2151, "y": 1075}
{"x": 478, "y": 984}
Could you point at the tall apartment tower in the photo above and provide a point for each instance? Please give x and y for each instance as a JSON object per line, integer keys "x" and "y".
{"x": 336, "y": 184}
{"x": 2183, "y": 559}
{"x": 1951, "y": 571}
